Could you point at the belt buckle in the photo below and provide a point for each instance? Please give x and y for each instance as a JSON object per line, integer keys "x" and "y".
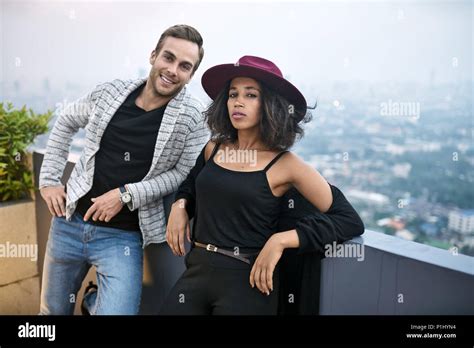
{"x": 211, "y": 247}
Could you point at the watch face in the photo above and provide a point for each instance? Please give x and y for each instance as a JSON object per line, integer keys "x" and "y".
{"x": 126, "y": 197}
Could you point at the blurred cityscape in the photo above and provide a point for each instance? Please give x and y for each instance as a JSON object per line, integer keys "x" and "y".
{"x": 403, "y": 155}
{"x": 401, "y": 152}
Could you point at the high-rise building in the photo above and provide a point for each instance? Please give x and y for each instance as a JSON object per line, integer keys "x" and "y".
{"x": 461, "y": 220}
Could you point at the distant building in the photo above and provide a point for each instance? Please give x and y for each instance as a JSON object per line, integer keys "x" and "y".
{"x": 405, "y": 234}
{"x": 401, "y": 170}
{"x": 396, "y": 223}
{"x": 429, "y": 229}
{"x": 367, "y": 197}
{"x": 461, "y": 220}
{"x": 469, "y": 242}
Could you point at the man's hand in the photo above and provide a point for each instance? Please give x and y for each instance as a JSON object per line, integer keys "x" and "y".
{"x": 55, "y": 198}
{"x": 105, "y": 207}
{"x": 263, "y": 267}
{"x": 178, "y": 226}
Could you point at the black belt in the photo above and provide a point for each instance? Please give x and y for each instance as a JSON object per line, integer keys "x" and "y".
{"x": 209, "y": 247}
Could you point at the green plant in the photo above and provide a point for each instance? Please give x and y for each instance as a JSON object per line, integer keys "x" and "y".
{"x": 18, "y": 130}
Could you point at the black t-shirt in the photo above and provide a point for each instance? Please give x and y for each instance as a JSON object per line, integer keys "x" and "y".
{"x": 125, "y": 156}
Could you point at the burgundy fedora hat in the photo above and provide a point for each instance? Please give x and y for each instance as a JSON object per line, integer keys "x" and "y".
{"x": 260, "y": 69}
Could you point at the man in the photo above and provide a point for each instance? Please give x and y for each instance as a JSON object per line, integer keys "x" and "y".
{"x": 142, "y": 139}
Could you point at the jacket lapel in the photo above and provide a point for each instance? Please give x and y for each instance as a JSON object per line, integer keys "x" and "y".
{"x": 114, "y": 106}
{"x": 171, "y": 114}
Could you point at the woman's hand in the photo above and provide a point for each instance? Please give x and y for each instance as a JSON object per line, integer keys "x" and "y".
{"x": 178, "y": 226}
{"x": 263, "y": 267}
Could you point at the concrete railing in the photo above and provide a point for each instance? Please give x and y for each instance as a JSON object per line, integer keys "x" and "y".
{"x": 397, "y": 277}
{"x": 394, "y": 277}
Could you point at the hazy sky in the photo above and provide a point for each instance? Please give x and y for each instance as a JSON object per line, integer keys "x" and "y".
{"x": 312, "y": 42}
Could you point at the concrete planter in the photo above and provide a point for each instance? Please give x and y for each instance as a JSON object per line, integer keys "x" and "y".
{"x": 19, "y": 278}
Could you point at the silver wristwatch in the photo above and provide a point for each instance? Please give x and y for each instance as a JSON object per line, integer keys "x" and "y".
{"x": 125, "y": 196}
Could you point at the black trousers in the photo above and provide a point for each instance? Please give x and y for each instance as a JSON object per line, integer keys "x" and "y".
{"x": 215, "y": 284}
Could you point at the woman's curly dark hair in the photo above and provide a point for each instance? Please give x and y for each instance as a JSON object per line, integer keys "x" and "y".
{"x": 279, "y": 128}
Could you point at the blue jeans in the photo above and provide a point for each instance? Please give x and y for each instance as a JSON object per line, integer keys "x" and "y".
{"x": 73, "y": 247}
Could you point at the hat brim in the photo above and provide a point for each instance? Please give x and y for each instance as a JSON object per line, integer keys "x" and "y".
{"x": 214, "y": 80}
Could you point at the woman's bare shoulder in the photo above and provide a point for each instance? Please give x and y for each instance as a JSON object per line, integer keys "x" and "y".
{"x": 291, "y": 162}
{"x": 290, "y": 158}
{"x": 209, "y": 147}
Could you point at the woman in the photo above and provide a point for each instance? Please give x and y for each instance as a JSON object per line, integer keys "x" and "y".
{"x": 232, "y": 267}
